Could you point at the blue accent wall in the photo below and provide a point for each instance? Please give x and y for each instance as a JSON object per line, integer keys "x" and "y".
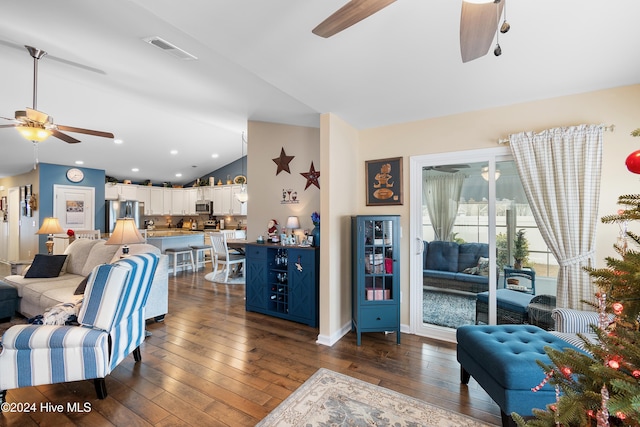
{"x": 51, "y": 175}
{"x": 233, "y": 169}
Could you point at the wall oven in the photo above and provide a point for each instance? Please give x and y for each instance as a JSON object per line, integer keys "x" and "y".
{"x": 204, "y": 207}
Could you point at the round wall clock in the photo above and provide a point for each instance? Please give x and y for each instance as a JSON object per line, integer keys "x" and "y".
{"x": 75, "y": 175}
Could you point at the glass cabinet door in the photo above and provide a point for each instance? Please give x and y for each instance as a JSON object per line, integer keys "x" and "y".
{"x": 378, "y": 261}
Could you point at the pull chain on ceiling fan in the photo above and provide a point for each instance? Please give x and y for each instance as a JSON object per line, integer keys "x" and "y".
{"x": 37, "y": 126}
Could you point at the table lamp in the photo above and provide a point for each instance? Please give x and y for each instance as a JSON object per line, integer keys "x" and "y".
{"x": 125, "y": 233}
{"x": 50, "y": 226}
{"x": 293, "y": 224}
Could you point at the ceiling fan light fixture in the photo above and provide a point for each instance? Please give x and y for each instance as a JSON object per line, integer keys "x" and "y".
{"x": 485, "y": 173}
{"x": 34, "y": 134}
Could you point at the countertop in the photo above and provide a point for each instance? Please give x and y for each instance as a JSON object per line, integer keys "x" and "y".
{"x": 172, "y": 233}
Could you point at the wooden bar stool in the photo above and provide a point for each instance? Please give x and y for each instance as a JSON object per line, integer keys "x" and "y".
{"x": 180, "y": 258}
{"x": 199, "y": 252}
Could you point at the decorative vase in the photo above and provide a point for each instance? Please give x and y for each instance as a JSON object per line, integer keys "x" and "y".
{"x": 518, "y": 264}
{"x": 316, "y": 235}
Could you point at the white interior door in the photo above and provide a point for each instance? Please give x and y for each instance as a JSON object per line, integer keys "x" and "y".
{"x": 74, "y": 207}
{"x": 13, "y": 217}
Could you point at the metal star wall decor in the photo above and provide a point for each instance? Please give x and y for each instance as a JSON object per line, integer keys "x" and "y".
{"x": 283, "y": 162}
{"x": 312, "y": 176}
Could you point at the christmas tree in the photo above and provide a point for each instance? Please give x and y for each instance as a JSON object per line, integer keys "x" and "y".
{"x": 602, "y": 388}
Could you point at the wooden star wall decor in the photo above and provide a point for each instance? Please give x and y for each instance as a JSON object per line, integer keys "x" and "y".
{"x": 312, "y": 176}
{"x": 283, "y": 162}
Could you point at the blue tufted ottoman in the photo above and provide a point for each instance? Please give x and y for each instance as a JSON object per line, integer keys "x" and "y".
{"x": 8, "y": 301}
{"x": 502, "y": 359}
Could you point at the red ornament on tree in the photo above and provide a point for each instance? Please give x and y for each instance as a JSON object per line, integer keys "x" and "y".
{"x": 633, "y": 162}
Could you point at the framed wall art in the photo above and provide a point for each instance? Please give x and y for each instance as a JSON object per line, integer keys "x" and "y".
{"x": 384, "y": 181}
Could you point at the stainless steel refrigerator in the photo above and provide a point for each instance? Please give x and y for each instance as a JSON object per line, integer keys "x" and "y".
{"x": 115, "y": 209}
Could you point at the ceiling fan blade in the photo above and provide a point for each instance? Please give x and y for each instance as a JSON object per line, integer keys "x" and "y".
{"x": 348, "y": 15}
{"x": 478, "y": 24}
{"x": 7, "y": 126}
{"x": 86, "y": 131}
{"x": 64, "y": 137}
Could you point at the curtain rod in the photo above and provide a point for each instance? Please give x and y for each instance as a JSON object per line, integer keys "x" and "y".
{"x": 609, "y": 128}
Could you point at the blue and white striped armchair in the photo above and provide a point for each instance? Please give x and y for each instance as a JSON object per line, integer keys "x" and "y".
{"x": 111, "y": 327}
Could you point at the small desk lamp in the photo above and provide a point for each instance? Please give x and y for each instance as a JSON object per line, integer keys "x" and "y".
{"x": 125, "y": 233}
{"x": 293, "y": 224}
{"x": 50, "y": 226}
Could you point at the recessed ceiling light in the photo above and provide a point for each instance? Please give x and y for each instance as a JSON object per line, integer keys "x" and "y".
{"x": 173, "y": 151}
{"x": 215, "y": 155}
{"x": 118, "y": 141}
{"x": 135, "y": 170}
{"x": 79, "y": 162}
{"x": 178, "y": 175}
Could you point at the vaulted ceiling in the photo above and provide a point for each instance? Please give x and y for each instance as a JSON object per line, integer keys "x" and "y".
{"x": 258, "y": 60}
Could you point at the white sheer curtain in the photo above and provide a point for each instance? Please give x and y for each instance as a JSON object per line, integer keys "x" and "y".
{"x": 560, "y": 172}
{"x": 441, "y": 194}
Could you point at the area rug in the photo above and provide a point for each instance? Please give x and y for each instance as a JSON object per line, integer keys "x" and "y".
{"x": 328, "y": 398}
{"x": 451, "y": 310}
{"x": 219, "y": 278}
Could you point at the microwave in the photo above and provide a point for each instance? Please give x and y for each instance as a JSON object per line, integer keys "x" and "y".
{"x": 204, "y": 206}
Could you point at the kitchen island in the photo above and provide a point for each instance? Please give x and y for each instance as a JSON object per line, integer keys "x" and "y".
{"x": 166, "y": 239}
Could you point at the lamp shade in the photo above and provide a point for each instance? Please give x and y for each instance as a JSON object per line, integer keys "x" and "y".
{"x": 125, "y": 232}
{"x": 293, "y": 223}
{"x": 50, "y": 225}
{"x": 36, "y": 134}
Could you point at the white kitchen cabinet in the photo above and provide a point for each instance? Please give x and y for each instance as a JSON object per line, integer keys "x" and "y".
{"x": 167, "y": 201}
{"x": 217, "y": 201}
{"x": 111, "y": 192}
{"x": 120, "y": 192}
{"x": 225, "y": 201}
{"x": 237, "y": 208}
{"x": 144, "y": 196}
{"x": 191, "y": 195}
{"x": 177, "y": 201}
{"x": 156, "y": 201}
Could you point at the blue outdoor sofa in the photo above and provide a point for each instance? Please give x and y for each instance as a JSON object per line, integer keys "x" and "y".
{"x": 460, "y": 267}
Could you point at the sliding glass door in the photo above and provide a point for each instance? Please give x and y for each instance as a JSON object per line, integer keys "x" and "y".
{"x": 466, "y": 211}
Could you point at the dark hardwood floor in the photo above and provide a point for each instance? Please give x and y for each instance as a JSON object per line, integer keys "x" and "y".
{"x": 211, "y": 363}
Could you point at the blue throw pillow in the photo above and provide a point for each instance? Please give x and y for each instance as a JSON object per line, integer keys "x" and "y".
{"x": 45, "y": 266}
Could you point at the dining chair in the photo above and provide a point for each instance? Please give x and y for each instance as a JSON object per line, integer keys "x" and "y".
{"x": 222, "y": 255}
{"x": 87, "y": 234}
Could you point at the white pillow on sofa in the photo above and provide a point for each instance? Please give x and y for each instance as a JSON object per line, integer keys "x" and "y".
{"x": 78, "y": 252}
{"x": 100, "y": 254}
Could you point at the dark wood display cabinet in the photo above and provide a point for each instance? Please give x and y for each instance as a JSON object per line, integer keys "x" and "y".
{"x": 376, "y": 275}
{"x": 283, "y": 281}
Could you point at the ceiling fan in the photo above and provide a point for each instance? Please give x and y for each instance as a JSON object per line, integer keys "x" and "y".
{"x": 447, "y": 168}
{"x": 37, "y": 126}
{"x": 478, "y": 23}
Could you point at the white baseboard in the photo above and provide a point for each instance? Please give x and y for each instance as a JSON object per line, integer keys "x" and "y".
{"x": 330, "y": 340}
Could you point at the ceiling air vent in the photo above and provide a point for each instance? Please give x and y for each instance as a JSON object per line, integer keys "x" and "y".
{"x": 169, "y": 48}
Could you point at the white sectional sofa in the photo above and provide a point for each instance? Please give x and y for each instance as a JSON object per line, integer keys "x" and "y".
{"x": 37, "y": 294}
